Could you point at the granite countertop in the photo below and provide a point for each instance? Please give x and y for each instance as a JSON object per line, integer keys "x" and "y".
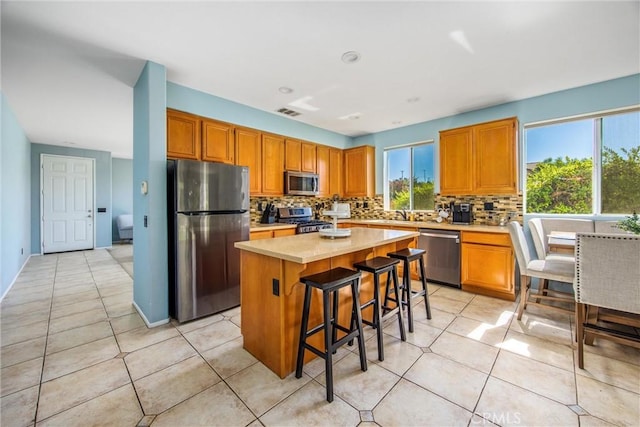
{"x": 267, "y": 227}
{"x": 429, "y": 224}
{"x": 309, "y": 247}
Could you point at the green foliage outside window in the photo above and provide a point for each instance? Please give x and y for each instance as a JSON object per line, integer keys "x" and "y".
{"x": 399, "y": 195}
{"x": 621, "y": 180}
{"x": 564, "y": 186}
{"x": 560, "y": 186}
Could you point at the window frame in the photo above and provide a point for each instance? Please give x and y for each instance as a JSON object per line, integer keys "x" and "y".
{"x": 596, "y": 172}
{"x": 411, "y": 146}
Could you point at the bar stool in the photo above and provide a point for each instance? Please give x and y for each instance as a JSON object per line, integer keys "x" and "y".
{"x": 330, "y": 282}
{"x": 378, "y": 266}
{"x": 407, "y": 256}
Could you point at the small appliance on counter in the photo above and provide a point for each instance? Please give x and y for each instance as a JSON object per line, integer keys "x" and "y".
{"x": 343, "y": 208}
{"x": 268, "y": 214}
{"x": 462, "y": 213}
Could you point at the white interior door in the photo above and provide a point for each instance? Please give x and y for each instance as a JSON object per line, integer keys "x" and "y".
{"x": 67, "y": 203}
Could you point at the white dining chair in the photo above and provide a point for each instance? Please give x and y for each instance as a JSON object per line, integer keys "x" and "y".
{"x": 557, "y": 269}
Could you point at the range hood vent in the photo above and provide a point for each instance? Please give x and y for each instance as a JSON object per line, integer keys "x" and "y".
{"x": 288, "y": 112}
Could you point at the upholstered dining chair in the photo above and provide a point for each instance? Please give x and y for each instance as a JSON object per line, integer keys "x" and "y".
{"x": 607, "y": 289}
{"x": 559, "y": 270}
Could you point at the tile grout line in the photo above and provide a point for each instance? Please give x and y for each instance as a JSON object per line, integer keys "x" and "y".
{"x": 118, "y": 342}
{"x": 46, "y": 341}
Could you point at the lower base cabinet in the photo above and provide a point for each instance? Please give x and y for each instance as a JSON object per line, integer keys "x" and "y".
{"x": 268, "y": 234}
{"x": 488, "y": 264}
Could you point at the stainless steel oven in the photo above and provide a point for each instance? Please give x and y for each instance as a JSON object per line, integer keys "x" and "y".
{"x": 443, "y": 255}
{"x": 300, "y": 183}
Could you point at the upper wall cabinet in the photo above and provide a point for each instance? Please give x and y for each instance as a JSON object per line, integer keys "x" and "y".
{"x": 479, "y": 159}
{"x": 322, "y": 167}
{"x": 359, "y": 172}
{"x": 183, "y": 135}
{"x": 293, "y": 155}
{"x": 300, "y": 156}
{"x": 272, "y": 165}
{"x": 217, "y": 141}
{"x": 329, "y": 169}
{"x": 335, "y": 172}
{"x": 308, "y": 161}
{"x": 456, "y": 161}
{"x": 249, "y": 153}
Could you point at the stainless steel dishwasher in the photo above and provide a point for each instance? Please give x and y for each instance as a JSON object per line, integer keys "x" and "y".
{"x": 443, "y": 255}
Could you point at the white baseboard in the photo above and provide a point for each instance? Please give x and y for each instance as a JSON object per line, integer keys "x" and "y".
{"x": 15, "y": 278}
{"x": 146, "y": 321}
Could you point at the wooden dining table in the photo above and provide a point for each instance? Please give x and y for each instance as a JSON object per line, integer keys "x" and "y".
{"x": 562, "y": 242}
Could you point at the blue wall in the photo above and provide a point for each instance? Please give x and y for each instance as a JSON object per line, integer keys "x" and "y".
{"x": 121, "y": 192}
{"x": 102, "y": 190}
{"x": 151, "y": 277}
{"x": 622, "y": 92}
{"x": 185, "y": 99}
{"x": 15, "y": 205}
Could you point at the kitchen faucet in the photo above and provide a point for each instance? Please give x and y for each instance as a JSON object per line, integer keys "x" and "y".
{"x": 403, "y": 214}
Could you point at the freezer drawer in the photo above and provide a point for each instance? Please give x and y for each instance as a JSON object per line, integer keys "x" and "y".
{"x": 443, "y": 255}
{"x": 207, "y": 265}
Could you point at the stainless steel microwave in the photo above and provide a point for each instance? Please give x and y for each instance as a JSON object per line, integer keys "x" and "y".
{"x": 300, "y": 183}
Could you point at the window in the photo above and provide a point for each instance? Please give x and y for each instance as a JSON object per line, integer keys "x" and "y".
{"x": 584, "y": 166}
{"x": 408, "y": 177}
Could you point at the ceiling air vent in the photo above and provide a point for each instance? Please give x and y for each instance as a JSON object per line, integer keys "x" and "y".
{"x": 288, "y": 112}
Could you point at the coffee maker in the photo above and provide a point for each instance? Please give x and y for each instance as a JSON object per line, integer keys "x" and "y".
{"x": 462, "y": 213}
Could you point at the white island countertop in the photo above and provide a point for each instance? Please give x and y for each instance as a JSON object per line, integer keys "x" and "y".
{"x": 310, "y": 247}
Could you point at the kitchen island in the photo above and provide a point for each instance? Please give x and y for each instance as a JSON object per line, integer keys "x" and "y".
{"x": 272, "y": 295}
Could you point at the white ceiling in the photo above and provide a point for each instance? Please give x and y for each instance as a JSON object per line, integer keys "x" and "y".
{"x": 68, "y": 68}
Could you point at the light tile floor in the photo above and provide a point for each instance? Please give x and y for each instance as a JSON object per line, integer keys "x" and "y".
{"x": 75, "y": 352}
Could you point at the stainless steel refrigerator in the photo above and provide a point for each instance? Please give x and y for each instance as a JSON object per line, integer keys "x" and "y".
{"x": 208, "y": 212}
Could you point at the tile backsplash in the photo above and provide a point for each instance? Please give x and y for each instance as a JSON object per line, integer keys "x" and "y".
{"x": 373, "y": 207}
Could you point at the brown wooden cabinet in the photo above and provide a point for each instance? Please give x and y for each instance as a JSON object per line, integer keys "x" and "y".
{"x": 249, "y": 153}
{"x": 272, "y": 164}
{"x": 495, "y": 157}
{"x": 456, "y": 161}
{"x": 183, "y": 135}
{"x": 308, "y": 161}
{"x": 218, "y": 143}
{"x": 479, "y": 159}
{"x": 329, "y": 170}
{"x": 299, "y": 156}
{"x": 323, "y": 170}
{"x": 293, "y": 155}
{"x": 268, "y": 234}
{"x": 335, "y": 172}
{"x": 488, "y": 264}
{"x": 359, "y": 172}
